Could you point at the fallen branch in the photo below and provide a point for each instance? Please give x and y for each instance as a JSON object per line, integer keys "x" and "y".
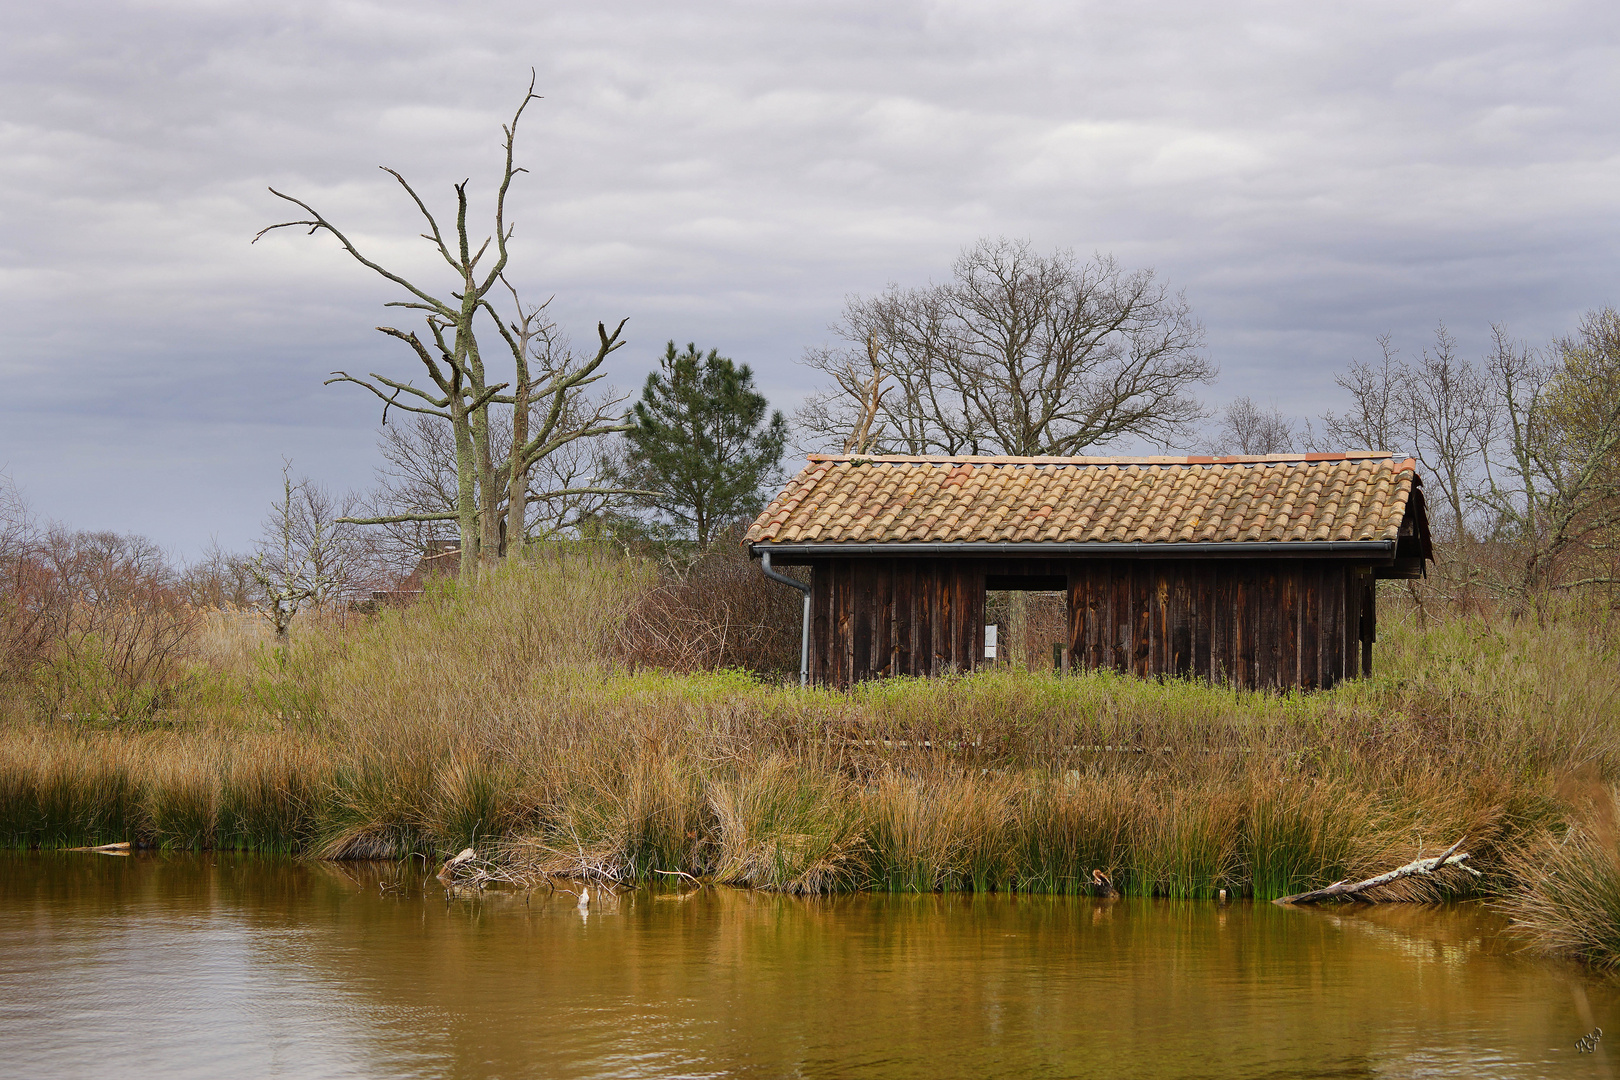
{"x": 1416, "y": 867}
{"x": 681, "y": 873}
{"x": 467, "y": 870}
{"x": 121, "y": 848}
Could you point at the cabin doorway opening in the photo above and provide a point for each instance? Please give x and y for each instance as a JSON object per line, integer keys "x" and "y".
{"x": 1026, "y": 620}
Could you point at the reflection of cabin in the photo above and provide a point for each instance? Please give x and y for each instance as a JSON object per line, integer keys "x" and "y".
{"x": 1253, "y": 571}
{"x": 442, "y": 558}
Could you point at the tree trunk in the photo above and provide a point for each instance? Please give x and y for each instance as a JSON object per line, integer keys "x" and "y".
{"x": 466, "y": 493}
{"x": 489, "y": 487}
{"x": 1018, "y": 627}
{"x": 517, "y": 476}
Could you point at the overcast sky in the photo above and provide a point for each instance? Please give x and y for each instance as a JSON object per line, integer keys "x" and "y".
{"x": 1312, "y": 175}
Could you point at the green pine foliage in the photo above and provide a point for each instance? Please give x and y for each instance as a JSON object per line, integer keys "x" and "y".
{"x": 704, "y": 444}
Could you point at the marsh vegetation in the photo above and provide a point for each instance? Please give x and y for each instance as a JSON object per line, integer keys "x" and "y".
{"x": 535, "y": 716}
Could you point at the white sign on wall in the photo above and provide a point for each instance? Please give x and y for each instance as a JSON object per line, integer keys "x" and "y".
{"x": 990, "y": 641}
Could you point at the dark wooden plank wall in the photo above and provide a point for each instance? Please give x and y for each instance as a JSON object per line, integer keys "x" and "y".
{"x": 1259, "y": 624}
{"x": 875, "y": 617}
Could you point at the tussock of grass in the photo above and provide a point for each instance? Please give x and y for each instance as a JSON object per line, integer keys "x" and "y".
{"x": 1567, "y": 899}
{"x": 786, "y": 826}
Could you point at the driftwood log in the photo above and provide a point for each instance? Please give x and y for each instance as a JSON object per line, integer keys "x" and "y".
{"x": 1417, "y": 867}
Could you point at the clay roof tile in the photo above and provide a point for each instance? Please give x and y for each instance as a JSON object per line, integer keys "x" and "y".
{"x": 1149, "y": 500}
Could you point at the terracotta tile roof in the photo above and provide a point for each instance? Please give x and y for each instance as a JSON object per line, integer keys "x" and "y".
{"x": 1280, "y": 497}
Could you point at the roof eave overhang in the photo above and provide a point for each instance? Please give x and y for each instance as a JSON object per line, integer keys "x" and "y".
{"x": 1363, "y": 550}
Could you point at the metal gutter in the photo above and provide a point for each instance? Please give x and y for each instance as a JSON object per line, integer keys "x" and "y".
{"x": 1233, "y": 549}
{"x": 804, "y": 629}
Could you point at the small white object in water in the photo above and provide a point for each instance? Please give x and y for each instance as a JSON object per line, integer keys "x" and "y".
{"x": 584, "y": 896}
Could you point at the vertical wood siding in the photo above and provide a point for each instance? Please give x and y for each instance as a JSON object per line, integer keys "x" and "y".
{"x": 1274, "y": 624}
{"x": 1259, "y": 624}
{"x": 876, "y": 617}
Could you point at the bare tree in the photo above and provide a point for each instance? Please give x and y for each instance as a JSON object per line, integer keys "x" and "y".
{"x": 302, "y": 559}
{"x": 1557, "y": 498}
{"x": 1440, "y": 409}
{"x": 416, "y": 486}
{"x": 1523, "y": 450}
{"x": 16, "y": 523}
{"x": 1378, "y": 418}
{"x": 851, "y": 415}
{"x": 219, "y": 579}
{"x": 1246, "y": 428}
{"x": 462, "y": 391}
{"x": 113, "y": 626}
{"x": 28, "y": 622}
{"x": 1452, "y": 414}
{"x": 551, "y": 417}
{"x": 1019, "y": 353}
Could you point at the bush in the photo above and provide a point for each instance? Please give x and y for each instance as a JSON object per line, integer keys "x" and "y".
{"x": 718, "y": 612}
{"x": 96, "y": 622}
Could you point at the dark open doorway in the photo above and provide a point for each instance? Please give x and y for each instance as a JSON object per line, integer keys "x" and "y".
{"x": 1030, "y": 617}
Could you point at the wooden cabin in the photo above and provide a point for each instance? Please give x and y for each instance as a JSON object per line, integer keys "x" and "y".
{"x": 1255, "y": 572}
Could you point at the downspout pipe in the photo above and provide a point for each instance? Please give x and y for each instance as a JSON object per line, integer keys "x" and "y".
{"x": 804, "y": 629}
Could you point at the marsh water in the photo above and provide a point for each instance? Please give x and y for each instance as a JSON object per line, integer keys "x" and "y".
{"x": 224, "y": 965}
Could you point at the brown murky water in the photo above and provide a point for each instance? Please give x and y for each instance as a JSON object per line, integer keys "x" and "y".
{"x": 237, "y": 966}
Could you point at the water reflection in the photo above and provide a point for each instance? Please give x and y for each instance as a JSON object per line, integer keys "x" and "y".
{"x": 234, "y": 965}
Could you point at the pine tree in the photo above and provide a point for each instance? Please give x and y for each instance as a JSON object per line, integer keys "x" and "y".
{"x": 702, "y": 443}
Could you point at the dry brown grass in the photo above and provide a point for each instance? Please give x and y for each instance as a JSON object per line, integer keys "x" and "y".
{"x": 1565, "y": 897}
{"x": 504, "y": 717}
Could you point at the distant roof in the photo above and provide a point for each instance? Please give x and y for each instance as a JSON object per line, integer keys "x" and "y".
{"x": 850, "y": 499}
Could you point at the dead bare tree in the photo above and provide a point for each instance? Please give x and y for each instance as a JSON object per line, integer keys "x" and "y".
{"x": 869, "y": 391}
{"x": 462, "y": 390}
{"x": 550, "y": 414}
{"x": 1019, "y": 353}
{"x": 416, "y": 485}
{"x": 850, "y": 416}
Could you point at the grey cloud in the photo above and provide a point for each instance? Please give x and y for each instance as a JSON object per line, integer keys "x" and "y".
{"x": 727, "y": 173}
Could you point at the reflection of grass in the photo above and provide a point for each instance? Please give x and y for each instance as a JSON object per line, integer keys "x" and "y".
{"x": 496, "y": 715}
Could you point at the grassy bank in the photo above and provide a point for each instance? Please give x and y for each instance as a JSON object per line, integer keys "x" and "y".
{"x": 505, "y": 717}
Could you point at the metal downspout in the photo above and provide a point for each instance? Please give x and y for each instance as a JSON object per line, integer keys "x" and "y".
{"x": 804, "y": 629}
